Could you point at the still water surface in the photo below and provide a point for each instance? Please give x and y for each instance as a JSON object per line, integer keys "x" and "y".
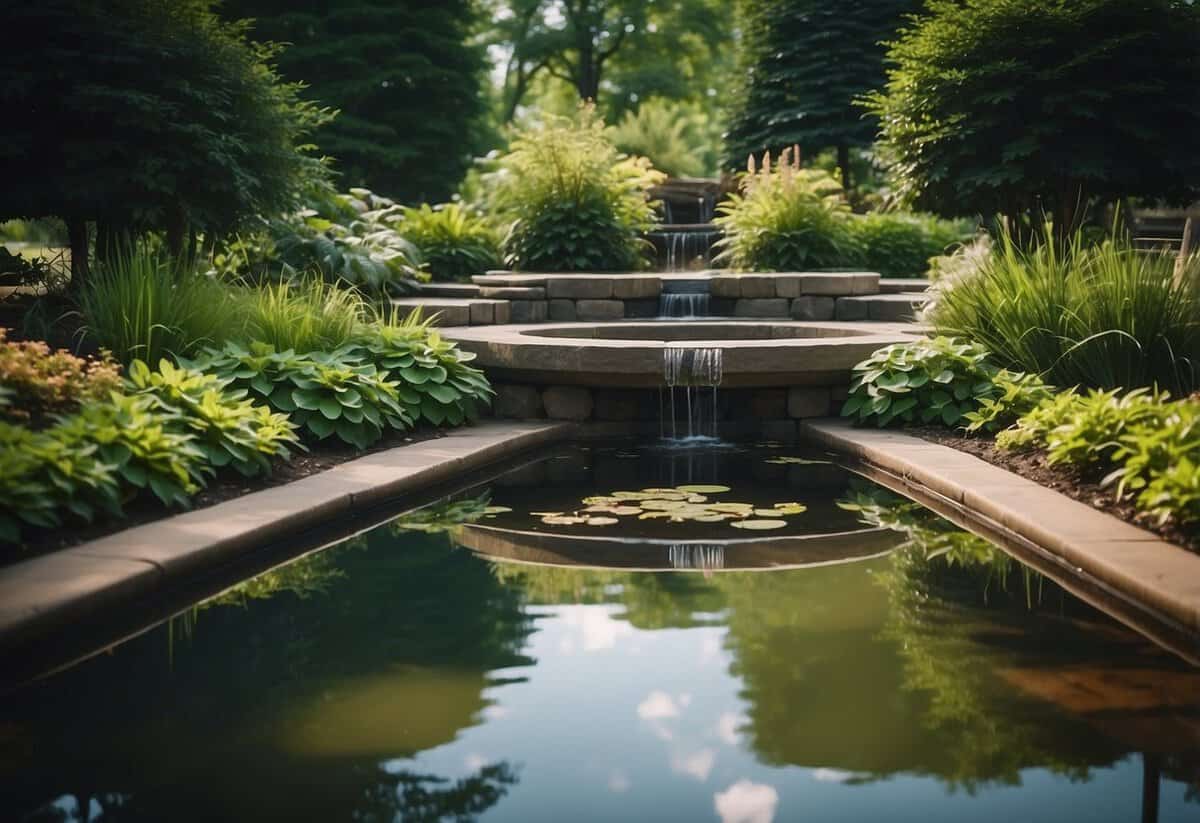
{"x": 401, "y": 676}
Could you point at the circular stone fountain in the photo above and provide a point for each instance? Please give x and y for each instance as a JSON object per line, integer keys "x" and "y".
{"x": 751, "y": 353}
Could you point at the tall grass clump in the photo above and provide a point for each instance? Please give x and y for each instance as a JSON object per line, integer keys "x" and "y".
{"x": 786, "y": 218}
{"x": 575, "y": 202}
{"x": 1102, "y": 316}
{"x": 140, "y": 303}
{"x": 455, "y": 241}
{"x": 302, "y": 315}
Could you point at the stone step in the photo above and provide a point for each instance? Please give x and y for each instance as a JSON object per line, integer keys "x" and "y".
{"x": 457, "y": 311}
{"x": 449, "y": 290}
{"x": 898, "y": 285}
{"x": 894, "y": 308}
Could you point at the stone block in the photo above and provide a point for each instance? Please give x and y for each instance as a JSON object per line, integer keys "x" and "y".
{"x": 599, "y": 309}
{"x": 851, "y": 308}
{"x": 681, "y": 285}
{"x": 761, "y": 307}
{"x": 808, "y": 401}
{"x": 446, "y": 315}
{"x": 582, "y": 287}
{"x": 616, "y": 404}
{"x": 789, "y": 285}
{"x": 725, "y": 285}
{"x": 501, "y": 312}
{"x": 567, "y": 403}
{"x": 837, "y": 398}
{"x": 834, "y": 285}
{"x": 722, "y": 306}
{"x": 756, "y": 285}
{"x": 641, "y": 309}
{"x": 528, "y": 311}
{"x": 513, "y": 292}
{"x": 482, "y": 314}
{"x": 632, "y": 286}
{"x": 782, "y": 431}
{"x": 896, "y": 308}
{"x": 813, "y": 307}
{"x": 866, "y": 282}
{"x": 769, "y": 403}
{"x": 520, "y": 402}
{"x": 562, "y": 310}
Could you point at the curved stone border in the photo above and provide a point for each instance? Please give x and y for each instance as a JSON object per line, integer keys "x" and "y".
{"x": 1133, "y": 574}
{"x": 81, "y": 583}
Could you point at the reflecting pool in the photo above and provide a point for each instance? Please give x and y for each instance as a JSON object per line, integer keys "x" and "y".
{"x": 865, "y": 661}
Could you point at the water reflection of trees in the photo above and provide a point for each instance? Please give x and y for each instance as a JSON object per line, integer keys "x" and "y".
{"x": 223, "y": 726}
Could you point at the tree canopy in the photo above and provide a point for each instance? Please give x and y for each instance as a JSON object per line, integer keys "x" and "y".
{"x": 1023, "y": 106}
{"x": 404, "y": 75}
{"x": 803, "y": 64}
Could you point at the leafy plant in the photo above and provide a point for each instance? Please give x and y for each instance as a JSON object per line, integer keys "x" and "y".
{"x": 323, "y": 393}
{"x": 36, "y": 381}
{"x": 575, "y": 203}
{"x": 143, "y": 304}
{"x": 786, "y": 218}
{"x": 939, "y": 380}
{"x": 1107, "y": 316}
{"x": 302, "y": 315}
{"x": 1016, "y": 394}
{"x": 899, "y": 244}
{"x": 677, "y": 137}
{"x": 454, "y": 240}
{"x": 229, "y": 429}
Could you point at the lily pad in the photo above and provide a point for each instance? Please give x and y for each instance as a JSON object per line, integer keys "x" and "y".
{"x": 653, "y": 515}
{"x": 759, "y": 525}
{"x": 496, "y": 510}
{"x": 701, "y": 488}
{"x": 731, "y": 508}
{"x": 546, "y": 514}
{"x": 602, "y": 501}
{"x": 663, "y": 505}
{"x": 625, "y": 511}
{"x": 790, "y": 508}
{"x": 564, "y": 520}
{"x": 713, "y": 518}
{"x": 602, "y": 521}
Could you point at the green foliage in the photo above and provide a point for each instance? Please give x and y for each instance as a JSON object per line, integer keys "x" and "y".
{"x": 786, "y": 218}
{"x": 445, "y": 515}
{"x": 803, "y": 63}
{"x": 322, "y": 393}
{"x": 1146, "y": 446}
{"x": 1102, "y": 316}
{"x": 942, "y": 380}
{"x": 1014, "y": 394}
{"x": 1007, "y": 106}
{"x": 575, "y": 202}
{"x": 144, "y": 304}
{"x": 301, "y": 315}
{"x": 406, "y": 77}
{"x": 678, "y": 138}
{"x": 228, "y": 429}
{"x": 899, "y": 244}
{"x": 179, "y": 119}
{"x": 36, "y": 381}
{"x": 455, "y": 241}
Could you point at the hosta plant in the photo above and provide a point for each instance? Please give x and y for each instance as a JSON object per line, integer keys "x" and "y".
{"x": 940, "y": 380}
{"x": 228, "y": 428}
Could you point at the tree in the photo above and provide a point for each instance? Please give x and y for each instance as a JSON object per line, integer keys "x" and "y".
{"x": 1025, "y": 107}
{"x": 402, "y": 74}
{"x": 145, "y": 115}
{"x": 627, "y": 49}
{"x": 804, "y": 62}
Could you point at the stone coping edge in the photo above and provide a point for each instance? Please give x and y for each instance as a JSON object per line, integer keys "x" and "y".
{"x": 1143, "y": 574}
{"x": 81, "y": 583}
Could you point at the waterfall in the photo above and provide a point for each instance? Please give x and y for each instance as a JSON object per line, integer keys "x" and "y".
{"x": 691, "y": 375}
{"x": 683, "y": 249}
{"x": 687, "y": 306}
{"x": 696, "y": 556}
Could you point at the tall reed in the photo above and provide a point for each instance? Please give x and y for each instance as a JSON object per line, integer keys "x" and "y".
{"x": 305, "y": 316}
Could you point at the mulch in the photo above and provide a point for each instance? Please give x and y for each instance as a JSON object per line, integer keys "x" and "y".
{"x": 1066, "y": 480}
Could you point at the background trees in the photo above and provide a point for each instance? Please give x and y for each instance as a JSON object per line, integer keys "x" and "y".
{"x": 803, "y": 63}
{"x": 1019, "y": 107}
{"x": 405, "y": 77}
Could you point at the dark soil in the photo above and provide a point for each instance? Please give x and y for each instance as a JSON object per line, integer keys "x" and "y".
{"x": 147, "y": 509}
{"x": 1064, "y": 479}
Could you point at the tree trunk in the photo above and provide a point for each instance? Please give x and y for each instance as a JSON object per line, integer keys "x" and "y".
{"x": 843, "y": 161}
{"x": 77, "y": 232}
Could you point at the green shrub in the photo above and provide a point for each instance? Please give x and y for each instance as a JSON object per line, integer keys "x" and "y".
{"x": 897, "y": 244}
{"x": 323, "y": 393}
{"x": 143, "y": 305}
{"x": 942, "y": 380}
{"x": 677, "y": 137}
{"x": 229, "y": 429}
{"x": 786, "y": 218}
{"x": 1106, "y": 316}
{"x": 36, "y": 381}
{"x": 575, "y": 203}
{"x": 454, "y": 241}
{"x": 302, "y": 315}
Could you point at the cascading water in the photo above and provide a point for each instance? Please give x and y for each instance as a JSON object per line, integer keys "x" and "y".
{"x": 691, "y": 375}
{"x": 689, "y": 249}
{"x": 696, "y": 556}
{"x": 684, "y": 306}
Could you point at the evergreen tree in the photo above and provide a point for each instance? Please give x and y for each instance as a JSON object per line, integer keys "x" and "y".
{"x": 403, "y": 76}
{"x": 804, "y": 62}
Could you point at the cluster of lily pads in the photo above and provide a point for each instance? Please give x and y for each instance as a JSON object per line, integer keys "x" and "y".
{"x": 680, "y": 504}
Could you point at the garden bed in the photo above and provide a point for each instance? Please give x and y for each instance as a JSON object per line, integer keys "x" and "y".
{"x": 1066, "y": 480}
